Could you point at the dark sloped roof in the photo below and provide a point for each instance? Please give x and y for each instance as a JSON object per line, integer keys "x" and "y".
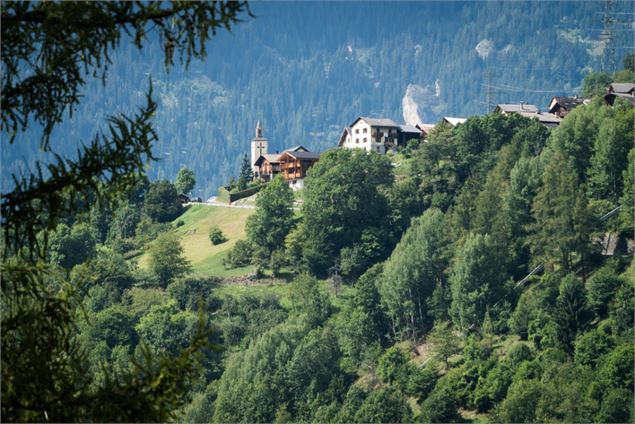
{"x": 297, "y": 148}
{"x": 566, "y": 102}
{"x": 377, "y": 122}
{"x": 409, "y": 129}
{"x": 304, "y": 155}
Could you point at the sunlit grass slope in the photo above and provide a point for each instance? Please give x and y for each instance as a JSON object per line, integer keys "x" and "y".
{"x": 207, "y": 259}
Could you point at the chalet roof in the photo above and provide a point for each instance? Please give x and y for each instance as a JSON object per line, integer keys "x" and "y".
{"x": 515, "y": 108}
{"x": 409, "y": 129}
{"x": 543, "y": 118}
{"x": 454, "y": 121}
{"x": 377, "y": 122}
{"x": 303, "y": 155}
{"x": 271, "y": 158}
{"x": 297, "y": 148}
{"x": 622, "y": 87}
{"x": 567, "y": 103}
{"x": 425, "y": 127}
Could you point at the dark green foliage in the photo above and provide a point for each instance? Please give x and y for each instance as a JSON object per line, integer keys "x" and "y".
{"x": 622, "y": 306}
{"x": 242, "y": 319}
{"x": 246, "y": 173}
{"x": 309, "y": 301}
{"x": 610, "y": 153}
{"x": 240, "y": 255}
{"x": 124, "y": 222}
{"x": 391, "y": 363}
{"x": 216, "y": 236}
{"x": 591, "y": 346}
{"x": 384, "y": 405}
{"x": 520, "y": 404}
{"x": 446, "y": 343}
{"x": 595, "y": 84}
{"x": 71, "y": 246}
{"x": 477, "y": 281}
{"x": 441, "y": 406}
{"x": 412, "y": 272}
{"x": 571, "y": 314}
{"x": 273, "y": 219}
{"x": 166, "y": 329}
{"x": 166, "y": 259}
{"x": 627, "y": 213}
{"x": 48, "y": 52}
{"x": 617, "y": 367}
{"x": 253, "y": 385}
{"x": 190, "y": 293}
{"x": 185, "y": 180}
{"x": 161, "y": 203}
{"x": 338, "y": 193}
{"x": 114, "y": 326}
{"x": 617, "y": 407}
{"x": 601, "y": 288}
{"x": 562, "y": 227}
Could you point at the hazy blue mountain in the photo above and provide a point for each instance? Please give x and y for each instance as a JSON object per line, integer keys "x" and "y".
{"x": 308, "y": 69}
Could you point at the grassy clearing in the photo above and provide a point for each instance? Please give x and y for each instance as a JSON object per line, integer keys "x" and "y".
{"x": 207, "y": 259}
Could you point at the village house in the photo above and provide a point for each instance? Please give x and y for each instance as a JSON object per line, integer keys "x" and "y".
{"x": 529, "y": 111}
{"x": 561, "y": 105}
{"x": 268, "y": 165}
{"x": 377, "y": 134}
{"x": 625, "y": 90}
{"x": 292, "y": 163}
{"x": 295, "y": 164}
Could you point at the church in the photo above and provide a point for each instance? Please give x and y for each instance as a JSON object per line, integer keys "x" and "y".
{"x": 292, "y": 163}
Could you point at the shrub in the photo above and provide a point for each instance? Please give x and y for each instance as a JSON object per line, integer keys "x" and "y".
{"x": 216, "y": 236}
{"x": 240, "y": 255}
{"x": 179, "y": 223}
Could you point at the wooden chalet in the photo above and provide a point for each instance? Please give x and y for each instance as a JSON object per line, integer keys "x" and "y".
{"x": 294, "y": 165}
{"x": 268, "y": 166}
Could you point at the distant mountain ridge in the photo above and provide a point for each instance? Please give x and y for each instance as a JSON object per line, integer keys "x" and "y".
{"x": 308, "y": 69}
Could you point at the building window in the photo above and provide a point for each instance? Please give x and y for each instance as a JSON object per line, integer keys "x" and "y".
{"x": 365, "y": 130}
{"x": 364, "y": 139}
{"x": 357, "y": 140}
{"x": 356, "y": 130}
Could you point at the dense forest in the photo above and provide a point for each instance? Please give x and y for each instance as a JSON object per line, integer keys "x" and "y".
{"x": 485, "y": 274}
{"x": 428, "y": 317}
{"x": 305, "y": 83}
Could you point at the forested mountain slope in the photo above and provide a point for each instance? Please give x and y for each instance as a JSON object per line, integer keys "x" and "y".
{"x": 307, "y": 69}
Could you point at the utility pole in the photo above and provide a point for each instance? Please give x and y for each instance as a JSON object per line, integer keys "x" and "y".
{"x": 608, "y": 37}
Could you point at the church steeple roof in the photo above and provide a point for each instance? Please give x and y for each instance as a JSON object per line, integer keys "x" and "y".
{"x": 258, "y": 130}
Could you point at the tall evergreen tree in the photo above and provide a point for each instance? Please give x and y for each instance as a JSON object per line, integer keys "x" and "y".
{"x": 477, "y": 280}
{"x": 562, "y": 225}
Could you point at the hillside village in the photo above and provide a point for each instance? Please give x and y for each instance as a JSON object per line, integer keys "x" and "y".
{"x": 385, "y": 136}
{"x": 472, "y": 270}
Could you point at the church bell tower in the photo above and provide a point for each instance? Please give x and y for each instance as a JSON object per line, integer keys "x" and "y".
{"x": 258, "y": 147}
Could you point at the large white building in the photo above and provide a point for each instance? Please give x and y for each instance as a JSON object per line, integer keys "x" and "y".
{"x": 377, "y": 134}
